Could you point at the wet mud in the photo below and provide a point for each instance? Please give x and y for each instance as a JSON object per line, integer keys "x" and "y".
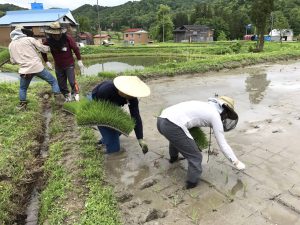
{"x": 151, "y": 191}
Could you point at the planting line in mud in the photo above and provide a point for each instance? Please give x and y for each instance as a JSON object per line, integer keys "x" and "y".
{"x": 32, "y": 210}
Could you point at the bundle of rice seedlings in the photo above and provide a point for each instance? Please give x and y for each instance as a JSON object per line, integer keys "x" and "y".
{"x": 199, "y": 137}
{"x": 101, "y": 113}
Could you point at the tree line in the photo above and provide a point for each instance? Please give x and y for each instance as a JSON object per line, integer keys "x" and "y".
{"x": 228, "y": 18}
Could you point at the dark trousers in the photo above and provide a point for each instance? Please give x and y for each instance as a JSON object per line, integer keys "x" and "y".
{"x": 180, "y": 142}
{"x": 63, "y": 76}
{"x": 110, "y": 138}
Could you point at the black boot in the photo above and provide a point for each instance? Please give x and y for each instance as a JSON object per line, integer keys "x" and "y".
{"x": 22, "y": 106}
{"x": 173, "y": 159}
{"x": 189, "y": 185}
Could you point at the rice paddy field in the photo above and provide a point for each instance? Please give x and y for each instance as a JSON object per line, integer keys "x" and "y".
{"x": 44, "y": 150}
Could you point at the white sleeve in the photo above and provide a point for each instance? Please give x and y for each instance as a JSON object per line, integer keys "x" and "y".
{"x": 217, "y": 127}
{"x": 39, "y": 46}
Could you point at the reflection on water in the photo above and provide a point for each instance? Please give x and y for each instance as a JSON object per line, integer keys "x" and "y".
{"x": 110, "y": 66}
{"x": 121, "y": 64}
{"x": 9, "y": 77}
{"x": 256, "y": 84}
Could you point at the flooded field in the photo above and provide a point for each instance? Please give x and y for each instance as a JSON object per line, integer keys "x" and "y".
{"x": 122, "y": 64}
{"x": 150, "y": 190}
{"x": 9, "y": 77}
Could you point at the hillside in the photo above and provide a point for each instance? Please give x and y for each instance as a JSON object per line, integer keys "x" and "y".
{"x": 8, "y": 7}
{"x": 228, "y": 18}
{"x": 131, "y": 14}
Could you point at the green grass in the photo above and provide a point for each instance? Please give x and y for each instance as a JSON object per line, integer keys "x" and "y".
{"x": 100, "y": 205}
{"x": 58, "y": 183}
{"x": 19, "y": 140}
{"x": 101, "y": 113}
{"x": 4, "y": 55}
{"x": 107, "y": 74}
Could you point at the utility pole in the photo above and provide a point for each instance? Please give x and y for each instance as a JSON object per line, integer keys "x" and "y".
{"x": 163, "y": 27}
{"x": 99, "y": 27}
{"x": 272, "y": 23}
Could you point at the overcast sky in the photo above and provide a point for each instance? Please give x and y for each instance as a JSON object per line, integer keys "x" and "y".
{"x": 71, "y": 4}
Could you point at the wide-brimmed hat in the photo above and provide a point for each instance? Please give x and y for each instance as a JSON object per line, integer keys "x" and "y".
{"x": 55, "y": 28}
{"x": 228, "y": 103}
{"x": 132, "y": 86}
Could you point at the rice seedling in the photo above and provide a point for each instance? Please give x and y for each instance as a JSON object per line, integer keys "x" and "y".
{"x": 101, "y": 113}
{"x": 199, "y": 137}
{"x": 245, "y": 190}
{"x": 176, "y": 200}
{"x": 195, "y": 216}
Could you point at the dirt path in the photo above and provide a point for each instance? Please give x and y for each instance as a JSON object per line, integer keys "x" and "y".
{"x": 266, "y": 140}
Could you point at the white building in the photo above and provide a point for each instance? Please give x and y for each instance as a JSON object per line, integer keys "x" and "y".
{"x": 286, "y": 34}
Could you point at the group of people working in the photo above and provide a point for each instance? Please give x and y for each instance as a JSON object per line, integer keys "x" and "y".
{"x": 173, "y": 123}
{"x": 24, "y": 50}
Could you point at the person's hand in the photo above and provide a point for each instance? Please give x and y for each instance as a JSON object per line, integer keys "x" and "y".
{"x": 49, "y": 65}
{"x": 239, "y": 165}
{"x": 80, "y": 64}
{"x": 143, "y": 145}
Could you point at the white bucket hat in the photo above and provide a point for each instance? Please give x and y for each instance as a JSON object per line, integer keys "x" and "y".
{"x": 19, "y": 27}
{"x": 132, "y": 86}
{"x": 55, "y": 28}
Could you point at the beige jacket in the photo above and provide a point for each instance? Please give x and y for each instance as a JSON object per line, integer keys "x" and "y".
{"x": 23, "y": 51}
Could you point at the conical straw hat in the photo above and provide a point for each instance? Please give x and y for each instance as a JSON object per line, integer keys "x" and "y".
{"x": 132, "y": 86}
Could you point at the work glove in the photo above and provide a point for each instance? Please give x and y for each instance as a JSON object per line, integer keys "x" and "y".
{"x": 81, "y": 66}
{"x": 49, "y": 65}
{"x": 143, "y": 145}
{"x": 239, "y": 165}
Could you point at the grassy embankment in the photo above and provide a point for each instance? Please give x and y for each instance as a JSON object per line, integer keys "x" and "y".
{"x": 196, "y": 57}
{"x": 74, "y": 191}
{"x": 20, "y": 135}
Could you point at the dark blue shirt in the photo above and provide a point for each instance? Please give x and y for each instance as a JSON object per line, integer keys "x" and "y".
{"x": 106, "y": 90}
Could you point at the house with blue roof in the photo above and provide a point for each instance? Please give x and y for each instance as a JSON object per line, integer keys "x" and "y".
{"x": 36, "y": 20}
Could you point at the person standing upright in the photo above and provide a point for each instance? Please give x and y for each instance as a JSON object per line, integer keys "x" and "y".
{"x": 23, "y": 51}
{"x": 62, "y": 47}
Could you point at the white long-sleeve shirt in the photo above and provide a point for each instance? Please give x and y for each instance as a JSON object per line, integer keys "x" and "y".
{"x": 23, "y": 51}
{"x": 200, "y": 114}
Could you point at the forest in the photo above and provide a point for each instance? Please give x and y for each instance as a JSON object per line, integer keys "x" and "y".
{"x": 226, "y": 17}
{"x": 230, "y": 19}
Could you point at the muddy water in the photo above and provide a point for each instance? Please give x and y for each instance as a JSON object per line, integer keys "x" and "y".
{"x": 266, "y": 140}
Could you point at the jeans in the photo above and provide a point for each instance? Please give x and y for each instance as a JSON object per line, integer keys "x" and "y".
{"x": 44, "y": 75}
{"x": 110, "y": 138}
